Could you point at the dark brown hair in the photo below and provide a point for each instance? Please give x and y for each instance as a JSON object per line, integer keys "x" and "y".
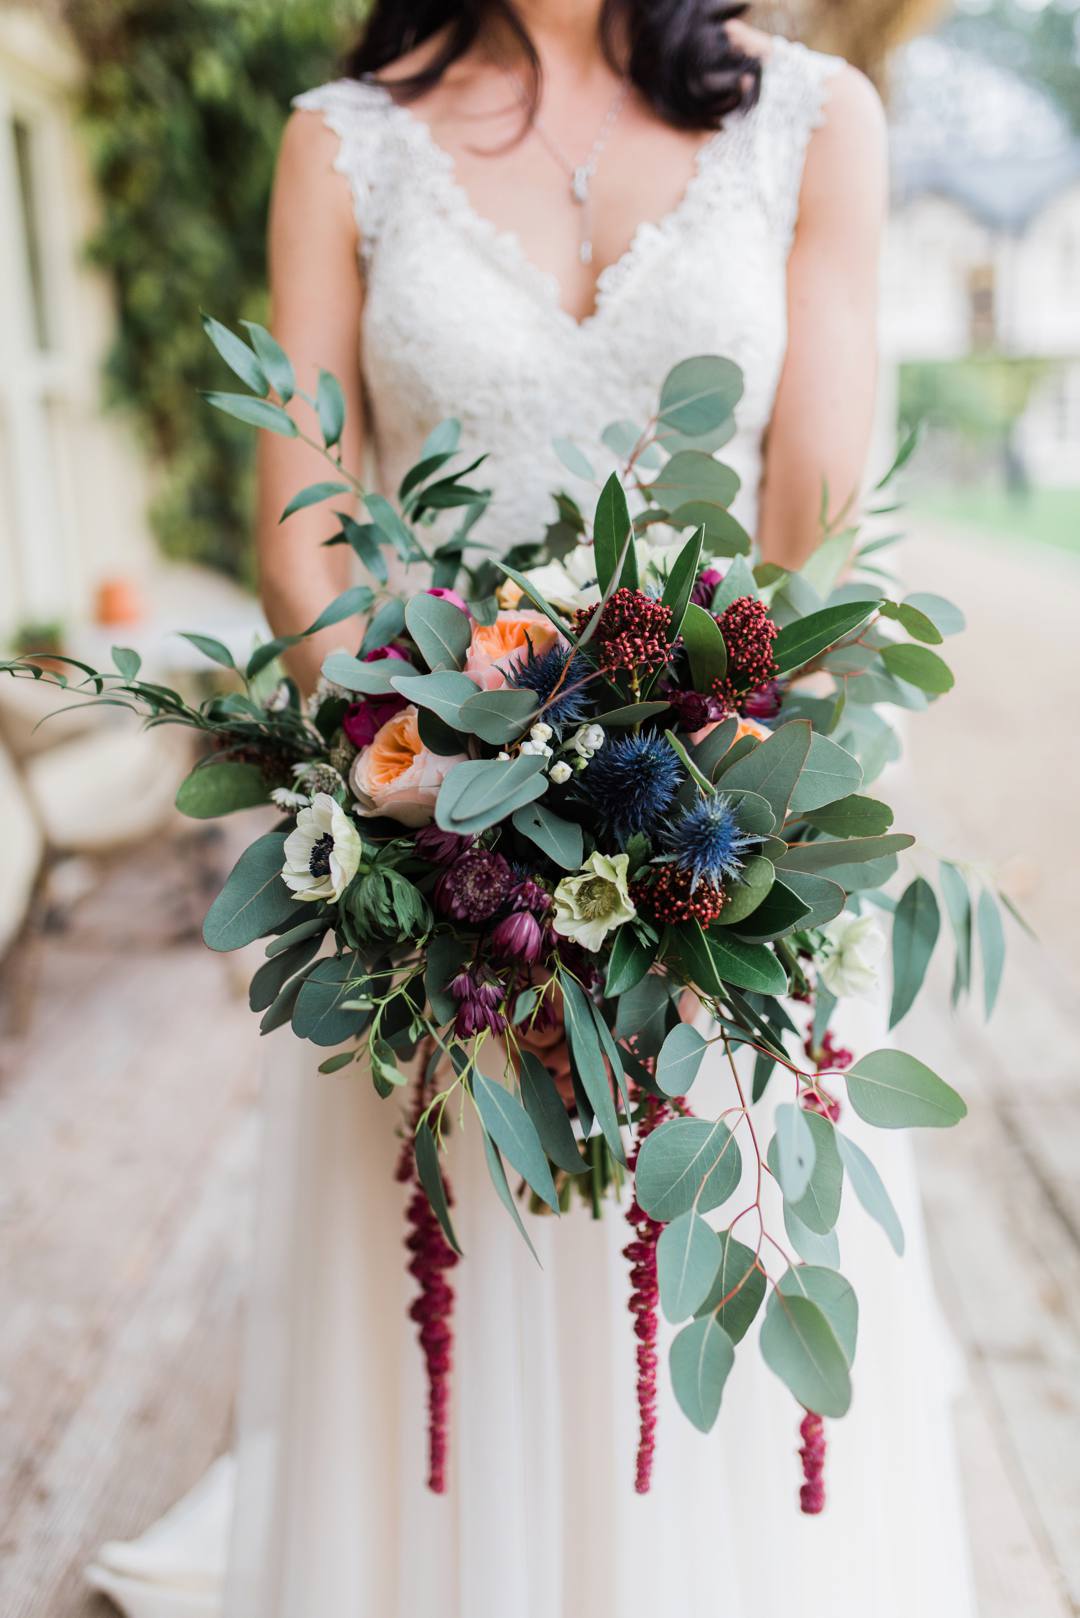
{"x": 681, "y": 57}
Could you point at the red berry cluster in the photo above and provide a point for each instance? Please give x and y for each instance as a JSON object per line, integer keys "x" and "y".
{"x": 812, "y": 1455}
{"x": 748, "y": 633}
{"x": 633, "y": 633}
{"x": 432, "y": 1256}
{"x": 644, "y": 1296}
{"x": 667, "y": 897}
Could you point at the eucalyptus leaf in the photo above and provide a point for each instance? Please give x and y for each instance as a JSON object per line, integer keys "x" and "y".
{"x": 254, "y": 899}
{"x": 920, "y": 667}
{"x": 445, "y": 693}
{"x": 628, "y": 963}
{"x": 427, "y": 1166}
{"x": 498, "y": 716}
{"x": 220, "y": 789}
{"x": 546, "y": 1108}
{"x": 819, "y": 1206}
{"x": 587, "y": 1056}
{"x": 680, "y": 1058}
{"x": 687, "y": 1163}
{"x": 441, "y": 631}
{"x": 892, "y": 1090}
{"x": 991, "y": 946}
{"x": 798, "y": 1343}
{"x": 701, "y": 1359}
{"x": 561, "y": 840}
{"x": 852, "y": 817}
{"x": 505, "y": 1195}
{"x": 774, "y": 767}
{"x": 699, "y": 394}
{"x": 479, "y": 792}
{"x": 795, "y": 1151}
{"x": 831, "y": 772}
{"x": 514, "y": 1133}
{"x": 738, "y": 1288}
{"x": 834, "y": 1296}
{"x": 916, "y": 925}
{"x": 688, "y": 1255}
{"x": 867, "y": 1184}
{"x": 803, "y": 640}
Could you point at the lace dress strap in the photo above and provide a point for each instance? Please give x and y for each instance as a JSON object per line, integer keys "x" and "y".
{"x": 794, "y": 100}
{"x": 356, "y": 111}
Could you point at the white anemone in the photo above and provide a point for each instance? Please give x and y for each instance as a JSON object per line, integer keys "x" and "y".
{"x": 323, "y": 854}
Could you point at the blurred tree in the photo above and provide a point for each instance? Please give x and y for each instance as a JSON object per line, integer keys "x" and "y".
{"x": 183, "y": 106}
{"x": 1041, "y": 42}
{"x": 862, "y": 31}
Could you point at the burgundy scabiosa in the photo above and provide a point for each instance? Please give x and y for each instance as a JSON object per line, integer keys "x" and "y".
{"x": 812, "y": 1455}
{"x": 748, "y": 633}
{"x": 474, "y": 887}
{"x": 708, "y": 842}
{"x": 632, "y": 783}
{"x": 633, "y": 633}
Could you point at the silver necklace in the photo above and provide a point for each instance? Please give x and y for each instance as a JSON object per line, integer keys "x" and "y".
{"x": 581, "y": 175}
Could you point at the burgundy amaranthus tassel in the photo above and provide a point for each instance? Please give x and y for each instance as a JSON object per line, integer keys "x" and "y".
{"x": 812, "y": 1455}
{"x": 432, "y": 1256}
{"x": 644, "y": 1296}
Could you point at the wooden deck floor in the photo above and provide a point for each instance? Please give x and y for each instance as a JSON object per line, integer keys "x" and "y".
{"x": 127, "y": 1139}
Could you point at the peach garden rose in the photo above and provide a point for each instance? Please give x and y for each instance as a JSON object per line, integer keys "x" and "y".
{"x": 496, "y": 647}
{"x": 395, "y": 775}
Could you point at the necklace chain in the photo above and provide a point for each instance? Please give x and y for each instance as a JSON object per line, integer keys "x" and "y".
{"x": 581, "y": 175}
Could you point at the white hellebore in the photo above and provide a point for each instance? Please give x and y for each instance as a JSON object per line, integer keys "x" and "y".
{"x": 853, "y": 966}
{"x": 596, "y": 901}
{"x": 323, "y": 854}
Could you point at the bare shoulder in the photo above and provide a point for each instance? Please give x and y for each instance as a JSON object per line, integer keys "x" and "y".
{"x": 306, "y": 178}
{"x": 846, "y": 163}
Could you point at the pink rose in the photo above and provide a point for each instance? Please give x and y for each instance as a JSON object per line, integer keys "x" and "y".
{"x": 496, "y": 648}
{"x": 396, "y": 775}
{"x": 452, "y": 596}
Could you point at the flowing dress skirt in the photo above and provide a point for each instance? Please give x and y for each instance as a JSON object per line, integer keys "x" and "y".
{"x": 541, "y": 1520}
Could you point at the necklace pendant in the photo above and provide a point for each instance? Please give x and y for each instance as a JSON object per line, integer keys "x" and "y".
{"x": 579, "y": 185}
{"x": 585, "y": 251}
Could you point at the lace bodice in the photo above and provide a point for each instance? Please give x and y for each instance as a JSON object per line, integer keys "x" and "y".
{"x": 458, "y": 321}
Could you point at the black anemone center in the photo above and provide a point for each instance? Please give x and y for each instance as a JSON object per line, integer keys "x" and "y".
{"x": 321, "y": 850}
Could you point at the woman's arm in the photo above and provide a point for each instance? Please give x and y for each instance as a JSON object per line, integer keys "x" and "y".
{"x": 317, "y": 297}
{"x": 824, "y": 411}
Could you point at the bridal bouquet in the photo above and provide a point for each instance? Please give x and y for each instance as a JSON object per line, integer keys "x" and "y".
{"x": 611, "y": 784}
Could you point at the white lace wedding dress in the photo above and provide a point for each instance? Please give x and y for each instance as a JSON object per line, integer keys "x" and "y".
{"x": 332, "y": 1519}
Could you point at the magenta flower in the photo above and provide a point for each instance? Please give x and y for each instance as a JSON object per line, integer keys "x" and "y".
{"x": 452, "y": 596}
{"x": 763, "y": 704}
{"x": 479, "y": 995}
{"x": 362, "y": 720}
{"x": 705, "y": 587}
{"x": 518, "y": 937}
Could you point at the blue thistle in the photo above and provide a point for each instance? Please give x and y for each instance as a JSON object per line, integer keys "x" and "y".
{"x": 632, "y": 782}
{"x": 541, "y": 674}
{"x": 708, "y": 842}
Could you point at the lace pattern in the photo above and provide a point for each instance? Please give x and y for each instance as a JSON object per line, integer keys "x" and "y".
{"x": 459, "y": 321}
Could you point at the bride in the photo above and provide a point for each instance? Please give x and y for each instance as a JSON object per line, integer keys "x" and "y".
{"x": 524, "y": 213}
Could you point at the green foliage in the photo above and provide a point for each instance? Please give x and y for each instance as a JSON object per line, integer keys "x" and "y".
{"x": 183, "y": 105}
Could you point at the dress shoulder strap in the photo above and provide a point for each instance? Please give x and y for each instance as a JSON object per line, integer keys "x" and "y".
{"x": 794, "y": 102}
{"x": 356, "y": 110}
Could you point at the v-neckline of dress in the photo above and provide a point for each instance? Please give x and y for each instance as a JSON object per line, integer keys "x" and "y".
{"x": 505, "y": 243}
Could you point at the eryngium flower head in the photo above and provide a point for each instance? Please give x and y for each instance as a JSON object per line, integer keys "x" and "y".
{"x": 542, "y": 674}
{"x": 633, "y": 633}
{"x": 632, "y": 783}
{"x": 708, "y": 842}
{"x": 474, "y": 887}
